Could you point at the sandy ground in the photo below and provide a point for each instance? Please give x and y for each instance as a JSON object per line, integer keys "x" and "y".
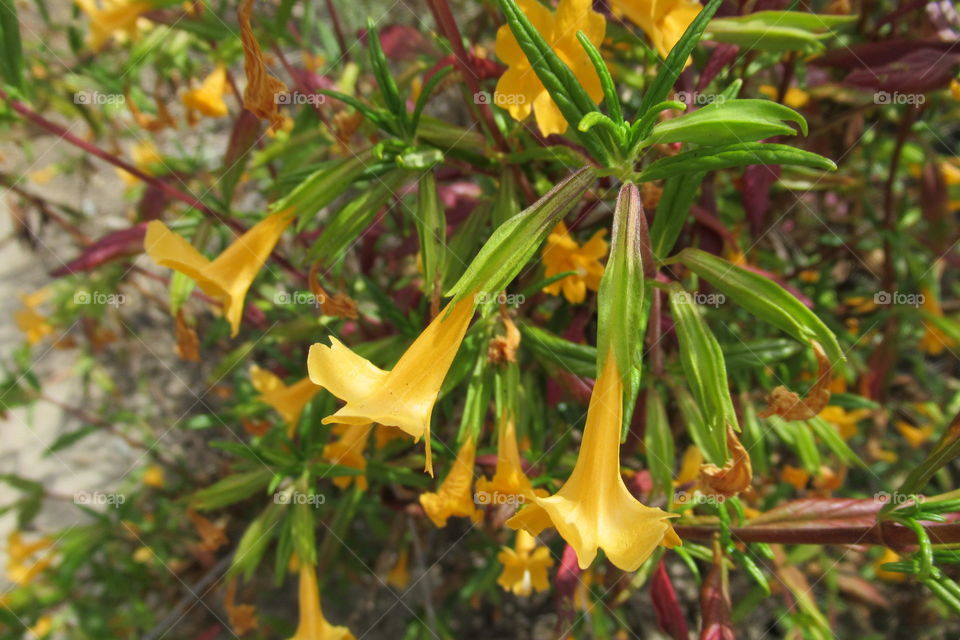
{"x": 101, "y": 461}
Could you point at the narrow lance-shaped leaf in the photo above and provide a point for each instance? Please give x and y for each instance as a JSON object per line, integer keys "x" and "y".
{"x": 610, "y": 97}
{"x": 516, "y": 240}
{"x": 765, "y": 299}
{"x": 678, "y": 195}
{"x": 347, "y": 224}
{"x": 704, "y": 368}
{"x": 388, "y": 86}
{"x": 658, "y": 441}
{"x": 729, "y": 122}
{"x": 11, "y": 56}
{"x": 321, "y": 187}
{"x": 432, "y": 229}
{"x": 696, "y": 425}
{"x": 777, "y": 31}
{"x": 739, "y": 154}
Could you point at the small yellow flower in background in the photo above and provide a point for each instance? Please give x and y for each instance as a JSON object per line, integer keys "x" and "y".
{"x": 117, "y": 19}
{"x": 399, "y": 575}
{"x": 795, "y": 476}
{"x": 260, "y": 95}
{"x": 229, "y": 276}
{"x": 42, "y": 628}
{"x": 519, "y": 89}
{"x": 143, "y": 555}
{"x": 43, "y": 176}
{"x": 562, "y": 253}
{"x": 525, "y": 566}
{"x": 404, "y": 396}
{"x": 689, "y": 466}
{"x": 955, "y": 89}
{"x": 22, "y": 566}
{"x": 30, "y": 321}
{"x": 313, "y": 626}
{"x": 889, "y": 555}
{"x": 664, "y": 21}
{"x": 915, "y": 436}
{"x": 455, "y": 496}
{"x": 934, "y": 340}
{"x": 845, "y": 421}
{"x": 288, "y": 400}
{"x": 508, "y": 477}
{"x": 145, "y": 156}
{"x": 594, "y": 509}
{"x": 347, "y": 451}
{"x": 795, "y": 98}
{"x": 154, "y": 476}
{"x": 208, "y": 97}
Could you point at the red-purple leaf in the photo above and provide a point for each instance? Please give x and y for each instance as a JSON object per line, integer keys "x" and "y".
{"x": 114, "y": 245}
{"x": 916, "y": 72}
{"x": 755, "y": 194}
{"x": 875, "y": 54}
{"x": 667, "y": 608}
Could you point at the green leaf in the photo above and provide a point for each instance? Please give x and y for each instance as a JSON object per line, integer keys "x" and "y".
{"x": 432, "y": 230}
{"x": 946, "y": 449}
{"x": 765, "y": 299}
{"x": 11, "y": 54}
{"x": 658, "y": 441}
{"x": 425, "y": 94}
{"x": 759, "y": 353}
{"x": 733, "y": 155}
{"x": 727, "y": 122}
{"x": 302, "y": 527}
{"x": 752, "y": 437}
{"x": 610, "y": 97}
{"x": 674, "y": 64}
{"x": 346, "y": 225}
{"x": 578, "y": 359}
{"x": 231, "y": 489}
{"x": 678, "y": 195}
{"x": 705, "y": 370}
{"x": 515, "y": 241}
{"x": 777, "y": 31}
{"x": 831, "y": 437}
{"x": 254, "y": 541}
{"x": 388, "y": 86}
{"x": 322, "y": 187}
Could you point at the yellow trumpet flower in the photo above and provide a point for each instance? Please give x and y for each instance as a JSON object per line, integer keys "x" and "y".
{"x": 288, "y": 400}
{"x": 664, "y": 21}
{"x": 525, "y": 566}
{"x": 229, "y": 276}
{"x": 208, "y": 97}
{"x": 112, "y": 19}
{"x": 348, "y": 452}
{"x": 313, "y": 626}
{"x": 519, "y": 90}
{"x": 404, "y": 396}
{"x": 455, "y": 497}
{"x": 508, "y": 477}
{"x": 594, "y": 509}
